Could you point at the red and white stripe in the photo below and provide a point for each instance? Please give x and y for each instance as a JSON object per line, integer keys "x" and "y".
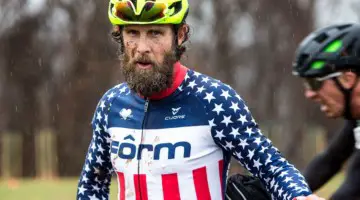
{"x": 204, "y": 183}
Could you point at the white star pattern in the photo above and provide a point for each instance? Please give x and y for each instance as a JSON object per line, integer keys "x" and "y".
{"x": 81, "y": 189}
{"x": 111, "y": 95}
{"x": 84, "y": 178}
{"x": 108, "y": 140}
{"x": 209, "y": 96}
{"x": 219, "y": 134}
{"x": 211, "y": 123}
{"x": 180, "y": 88}
{"x": 215, "y": 85}
{"x": 218, "y": 109}
{"x": 97, "y": 180}
{"x": 93, "y": 197}
{"x": 263, "y": 149}
{"x": 200, "y": 89}
{"x": 246, "y": 108}
{"x": 238, "y": 154}
{"x": 96, "y": 188}
{"x": 268, "y": 159}
{"x": 248, "y": 131}
{"x": 235, "y": 106}
{"x": 97, "y": 129}
{"x": 123, "y": 90}
{"x": 102, "y": 105}
{"x": 192, "y": 84}
{"x": 283, "y": 174}
{"x": 100, "y": 149}
{"x": 106, "y": 118}
{"x": 93, "y": 185}
{"x": 205, "y": 79}
{"x": 99, "y": 160}
{"x": 273, "y": 168}
{"x": 93, "y": 146}
{"x": 257, "y": 164}
{"x": 243, "y": 143}
{"x": 87, "y": 168}
{"x": 225, "y": 94}
{"x": 90, "y": 158}
{"x": 242, "y": 119}
{"x": 98, "y": 116}
{"x": 232, "y": 127}
{"x": 229, "y": 145}
{"x": 287, "y": 179}
{"x": 234, "y": 132}
{"x": 227, "y": 120}
{"x": 257, "y": 141}
{"x": 251, "y": 154}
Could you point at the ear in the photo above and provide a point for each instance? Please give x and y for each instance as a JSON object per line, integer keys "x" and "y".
{"x": 182, "y": 34}
{"x": 348, "y": 79}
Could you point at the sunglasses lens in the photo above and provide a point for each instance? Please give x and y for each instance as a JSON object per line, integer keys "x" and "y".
{"x": 152, "y": 11}
{"x": 313, "y": 84}
{"x": 124, "y": 11}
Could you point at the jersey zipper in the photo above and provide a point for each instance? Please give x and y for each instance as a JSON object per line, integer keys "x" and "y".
{"x": 146, "y": 106}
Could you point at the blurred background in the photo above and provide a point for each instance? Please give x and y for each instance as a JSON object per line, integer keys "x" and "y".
{"x": 57, "y": 59}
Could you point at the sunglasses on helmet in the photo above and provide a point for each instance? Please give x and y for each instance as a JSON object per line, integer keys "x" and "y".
{"x": 151, "y": 11}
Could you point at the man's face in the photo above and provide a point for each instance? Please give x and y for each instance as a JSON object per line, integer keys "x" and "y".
{"x": 329, "y": 97}
{"x": 149, "y": 56}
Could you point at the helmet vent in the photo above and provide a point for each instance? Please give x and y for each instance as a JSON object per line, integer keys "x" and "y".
{"x": 176, "y": 6}
{"x": 343, "y": 26}
{"x": 321, "y": 38}
{"x": 302, "y": 59}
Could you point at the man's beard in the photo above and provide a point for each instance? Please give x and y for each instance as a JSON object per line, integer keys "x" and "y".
{"x": 148, "y": 81}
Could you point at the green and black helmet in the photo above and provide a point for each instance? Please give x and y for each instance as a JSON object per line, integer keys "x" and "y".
{"x": 328, "y": 50}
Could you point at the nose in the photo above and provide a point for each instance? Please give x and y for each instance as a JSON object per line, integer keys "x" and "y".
{"x": 143, "y": 46}
{"x": 310, "y": 94}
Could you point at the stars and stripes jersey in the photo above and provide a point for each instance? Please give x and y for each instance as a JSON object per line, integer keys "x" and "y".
{"x": 179, "y": 146}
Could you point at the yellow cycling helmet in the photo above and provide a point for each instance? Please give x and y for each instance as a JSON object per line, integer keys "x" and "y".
{"x": 125, "y": 12}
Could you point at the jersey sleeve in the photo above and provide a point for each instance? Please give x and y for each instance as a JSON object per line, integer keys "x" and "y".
{"x": 332, "y": 159}
{"x": 236, "y": 132}
{"x": 96, "y": 173}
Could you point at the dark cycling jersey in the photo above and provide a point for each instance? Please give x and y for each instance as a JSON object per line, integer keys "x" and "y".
{"x": 324, "y": 166}
{"x": 178, "y": 145}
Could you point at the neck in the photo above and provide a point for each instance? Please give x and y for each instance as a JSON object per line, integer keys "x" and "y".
{"x": 178, "y": 76}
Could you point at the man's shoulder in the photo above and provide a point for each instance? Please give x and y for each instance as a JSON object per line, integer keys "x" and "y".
{"x": 210, "y": 89}
{"x": 114, "y": 92}
{"x": 105, "y": 102}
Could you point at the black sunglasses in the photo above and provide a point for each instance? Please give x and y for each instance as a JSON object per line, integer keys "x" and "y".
{"x": 315, "y": 84}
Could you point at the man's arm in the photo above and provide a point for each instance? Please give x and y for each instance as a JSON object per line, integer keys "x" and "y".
{"x": 238, "y": 134}
{"x": 350, "y": 187}
{"x": 331, "y": 160}
{"x": 95, "y": 177}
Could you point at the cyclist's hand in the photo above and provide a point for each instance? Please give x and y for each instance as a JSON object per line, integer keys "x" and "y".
{"x": 310, "y": 197}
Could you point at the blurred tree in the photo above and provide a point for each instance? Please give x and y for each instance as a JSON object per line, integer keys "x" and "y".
{"x": 26, "y": 71}
{"x": 279, "y": 27}
{"x": 91, "y": 73}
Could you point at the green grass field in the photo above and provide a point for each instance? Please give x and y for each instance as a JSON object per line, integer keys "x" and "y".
{"x": 65, "y": 189}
